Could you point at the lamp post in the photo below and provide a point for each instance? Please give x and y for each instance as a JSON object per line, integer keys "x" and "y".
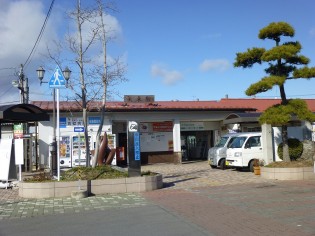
{"x": 55, "y": 165}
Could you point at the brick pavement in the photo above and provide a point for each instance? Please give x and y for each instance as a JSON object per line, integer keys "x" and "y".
{"x": 223, "y": 202}
{"x": 237, "y": 203}
{"x": 12, "y": 206}
{"x": 199, "y": 174}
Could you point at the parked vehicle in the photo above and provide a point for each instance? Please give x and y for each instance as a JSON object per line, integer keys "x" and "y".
{"x": 217, "y": 154}
{"x": 243, "y": 150}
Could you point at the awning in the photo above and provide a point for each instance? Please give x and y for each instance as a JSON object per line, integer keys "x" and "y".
{"x": 22, "y": 113}
{"x": 237, "y": 118}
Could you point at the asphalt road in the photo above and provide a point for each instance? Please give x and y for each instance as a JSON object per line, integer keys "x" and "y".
{"x": 145, "y": 220}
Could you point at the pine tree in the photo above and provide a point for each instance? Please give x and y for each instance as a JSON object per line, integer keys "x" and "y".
{"x": 284, "y": 63}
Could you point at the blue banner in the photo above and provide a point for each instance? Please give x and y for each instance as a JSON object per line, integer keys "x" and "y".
{"x": 137, "y": 145}
{"x": 94, "y": 120}
{"x": 63, "y": 122}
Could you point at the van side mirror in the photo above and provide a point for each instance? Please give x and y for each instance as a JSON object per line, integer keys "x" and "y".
{"x": 247, "y": 145}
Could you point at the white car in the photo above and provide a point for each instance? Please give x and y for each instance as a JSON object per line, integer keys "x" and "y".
{"x": 217, "y": 154}
{"x": 243, "y": 151}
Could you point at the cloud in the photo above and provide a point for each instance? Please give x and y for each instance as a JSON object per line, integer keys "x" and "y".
{"x": 217, "y": 64}
{"x": 170, "y": 77}
{"x": 312, "y": 32}
{"x": 20, "y": 25}
{"x": 21, "y": 22}
{"x": 112, "y": 27}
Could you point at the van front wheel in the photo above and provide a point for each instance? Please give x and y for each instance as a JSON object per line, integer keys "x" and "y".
{"x": 251, "y": 166}
{"x": 222, "y": 164}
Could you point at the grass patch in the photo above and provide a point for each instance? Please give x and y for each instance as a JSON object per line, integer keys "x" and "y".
{"x": 41, "y": 177}
{"x": 291, "y": 164}
{"x": 89, "y": 173}
{"x": 84, "y": 173}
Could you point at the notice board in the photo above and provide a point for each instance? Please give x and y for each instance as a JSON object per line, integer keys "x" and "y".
{"x": 156, "y": 142}
{"x": 7, "y": 162}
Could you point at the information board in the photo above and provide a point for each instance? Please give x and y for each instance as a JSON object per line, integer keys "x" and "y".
{"x": 5, "y": 158}
{"x": 156, "y": 142}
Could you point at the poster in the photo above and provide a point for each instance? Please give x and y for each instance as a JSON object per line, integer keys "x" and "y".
{"x": 5, "y": 158}
{"x": 64, "y": 147}
{"x": 19, "y": 151}
{"x": 18, "y": 131}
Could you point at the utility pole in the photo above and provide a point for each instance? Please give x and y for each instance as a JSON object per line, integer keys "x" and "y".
{"x": 24, "y": 99}
{"x": 23, "y": 86}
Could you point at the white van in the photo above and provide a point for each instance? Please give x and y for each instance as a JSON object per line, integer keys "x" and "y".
{"x": 243, "y": 150}
{"x": 217, "y": 154}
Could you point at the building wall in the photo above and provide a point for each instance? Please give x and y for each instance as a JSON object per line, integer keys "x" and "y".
{"x": 116, "y": 123}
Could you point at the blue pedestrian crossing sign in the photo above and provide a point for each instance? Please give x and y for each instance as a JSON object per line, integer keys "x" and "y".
{"x": 57, "y": 80}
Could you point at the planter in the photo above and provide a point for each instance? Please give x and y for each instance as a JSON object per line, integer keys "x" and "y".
{"x": 257, "y": 170}
{"x": 101, "y": 186}
{"x": 297, "y": 173}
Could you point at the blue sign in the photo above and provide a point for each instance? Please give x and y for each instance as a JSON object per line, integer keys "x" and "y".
{"x": 62, "y": 122}
{"x": 94, "y": 120}
{"x": 57, "y": 80}
{"x": 78, "y": 129}
{"x": 137, "y": 145}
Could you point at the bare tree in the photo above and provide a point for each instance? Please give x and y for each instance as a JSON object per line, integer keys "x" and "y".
{"x": 107, "y": 78}
{"x": 94, "y": 77}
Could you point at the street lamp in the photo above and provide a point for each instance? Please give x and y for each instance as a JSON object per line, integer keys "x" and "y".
{"x": 66, "y": 73}
{"x": 54, "y": 145}
{"x": 40, "y": 74}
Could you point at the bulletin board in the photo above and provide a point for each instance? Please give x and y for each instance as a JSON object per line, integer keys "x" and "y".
{"x": 156, "y": 142}
{"x": 5, "y": 158}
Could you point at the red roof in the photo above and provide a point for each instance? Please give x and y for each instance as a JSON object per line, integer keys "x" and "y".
{"x": 261, "y": 104}
{"x": 226, "y": 104}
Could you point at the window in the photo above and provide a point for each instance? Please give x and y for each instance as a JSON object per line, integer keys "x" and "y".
{"x": 253, "y": 142}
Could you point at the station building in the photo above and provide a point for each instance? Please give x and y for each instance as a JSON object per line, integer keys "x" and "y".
{"x": 170, "y": 131}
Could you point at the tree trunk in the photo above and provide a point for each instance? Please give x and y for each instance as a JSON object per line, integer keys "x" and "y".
{"x": 104, "y": 80}
{"x": 284, "y": 132}
{"x": 86, "y": 137}
{"x": 98, "y": 134}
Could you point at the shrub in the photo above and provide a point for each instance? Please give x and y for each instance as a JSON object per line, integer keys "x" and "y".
{"x": 40, "y": 177}
{"x": 89, "y": 173}
{"x": 295, "y": 149}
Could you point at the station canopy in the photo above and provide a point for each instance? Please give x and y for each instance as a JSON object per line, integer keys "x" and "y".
{"x": 22, "y": 113}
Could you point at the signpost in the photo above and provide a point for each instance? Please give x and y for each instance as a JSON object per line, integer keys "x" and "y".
{"x": 57, "y": 81}
{"x": 134, "y": 149}
{"x": 78, "y": 129}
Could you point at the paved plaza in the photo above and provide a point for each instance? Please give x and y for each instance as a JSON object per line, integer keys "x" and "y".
{"x": 211, "y": 201}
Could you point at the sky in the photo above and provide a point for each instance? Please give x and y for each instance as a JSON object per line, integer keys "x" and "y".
{"x": 175, "y": 50}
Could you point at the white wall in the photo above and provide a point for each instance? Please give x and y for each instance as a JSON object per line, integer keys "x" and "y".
{"x": 45, "y": 137}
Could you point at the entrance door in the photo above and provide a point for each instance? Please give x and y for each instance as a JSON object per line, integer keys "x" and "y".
{"x": 195, "y": 144}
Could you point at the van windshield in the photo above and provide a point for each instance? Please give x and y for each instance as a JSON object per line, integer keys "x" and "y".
{"x": 230, "y": 141}
{"x": 238, "y": 142}
{"x": 222, "y": 142}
